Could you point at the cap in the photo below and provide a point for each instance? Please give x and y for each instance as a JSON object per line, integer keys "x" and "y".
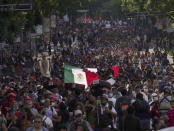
{"x": 154, "y": 94}
{"x": 104, "y": 96}
{"x": 12, "y": 95}
{"x": 77, "y": 112}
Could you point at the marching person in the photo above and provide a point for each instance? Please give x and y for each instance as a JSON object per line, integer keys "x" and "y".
{"x": 106, "y": 114}
{"x": 37, "y": 125}
{"x": 79, "y": 120}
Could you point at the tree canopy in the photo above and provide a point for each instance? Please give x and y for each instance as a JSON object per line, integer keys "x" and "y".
{"x": 164, "y": 7}
{"x": 12, "y": 21}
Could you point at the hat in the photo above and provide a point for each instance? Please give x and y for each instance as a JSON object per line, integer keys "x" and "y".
{"x": 12, "y": 95}
{"x": 27, "y": 98}
{"x": 53, "y": 98}
{"x": 39, "y": 86}
{"x": 154, "y": 94}
{"x": 77, "y": 112}
{"x": 104, "y": 96}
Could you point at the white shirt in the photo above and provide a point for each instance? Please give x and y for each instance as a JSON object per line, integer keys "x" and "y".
{"x": 113, "y": 100}
{"x": 103, "y": 108}
{"x": 50, "y": 112}
{"x": 52, "y": 109}
{"x": 47, "y": 121}
{"x": 144, "y": 96}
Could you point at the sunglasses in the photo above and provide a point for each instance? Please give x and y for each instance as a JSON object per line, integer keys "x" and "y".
{"x": 37, "y": 121}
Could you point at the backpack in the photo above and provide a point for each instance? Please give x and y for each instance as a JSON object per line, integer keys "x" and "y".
{"x": 141, "y": 106}
{"x": 121, "y": 107}
{"x": 124, "y": 106}
{"x": 44, "y": 122}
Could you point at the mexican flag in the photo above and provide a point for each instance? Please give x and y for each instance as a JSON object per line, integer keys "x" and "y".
{"x": 80, "y": 76}
{"x": 116, "y": 71}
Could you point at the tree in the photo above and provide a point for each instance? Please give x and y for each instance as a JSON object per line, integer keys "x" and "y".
{"x": 105, "y": 8}
{"x": 12, "y": 21}
{"x": 165, "y": 7}
{"x": 115, "y": 8}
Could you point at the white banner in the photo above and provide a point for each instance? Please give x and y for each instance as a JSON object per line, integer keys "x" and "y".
{"x": 111, "y": 81}
{"x": 66, "y": 18}
{"x": 39, "y": 29}
{"x": 44, "y": 67}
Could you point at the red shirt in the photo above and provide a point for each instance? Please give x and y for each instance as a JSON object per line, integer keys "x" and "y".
{"x": 155, "y": 110}
{"x": 142, "y": 66}
{"x": 5, "y": 107}
{"x": 18, "y": 114}
{"x": 170, "y": 115}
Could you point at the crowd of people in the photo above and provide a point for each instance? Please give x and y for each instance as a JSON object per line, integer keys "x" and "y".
{"x": 141, "y": 99}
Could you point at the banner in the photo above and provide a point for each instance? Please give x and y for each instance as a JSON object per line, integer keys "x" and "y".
{"x": 66, "y": 18}
{"x": 44, "y": 66}
{"x": 39, "y": 29}
{"x": 111, "y": 81}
